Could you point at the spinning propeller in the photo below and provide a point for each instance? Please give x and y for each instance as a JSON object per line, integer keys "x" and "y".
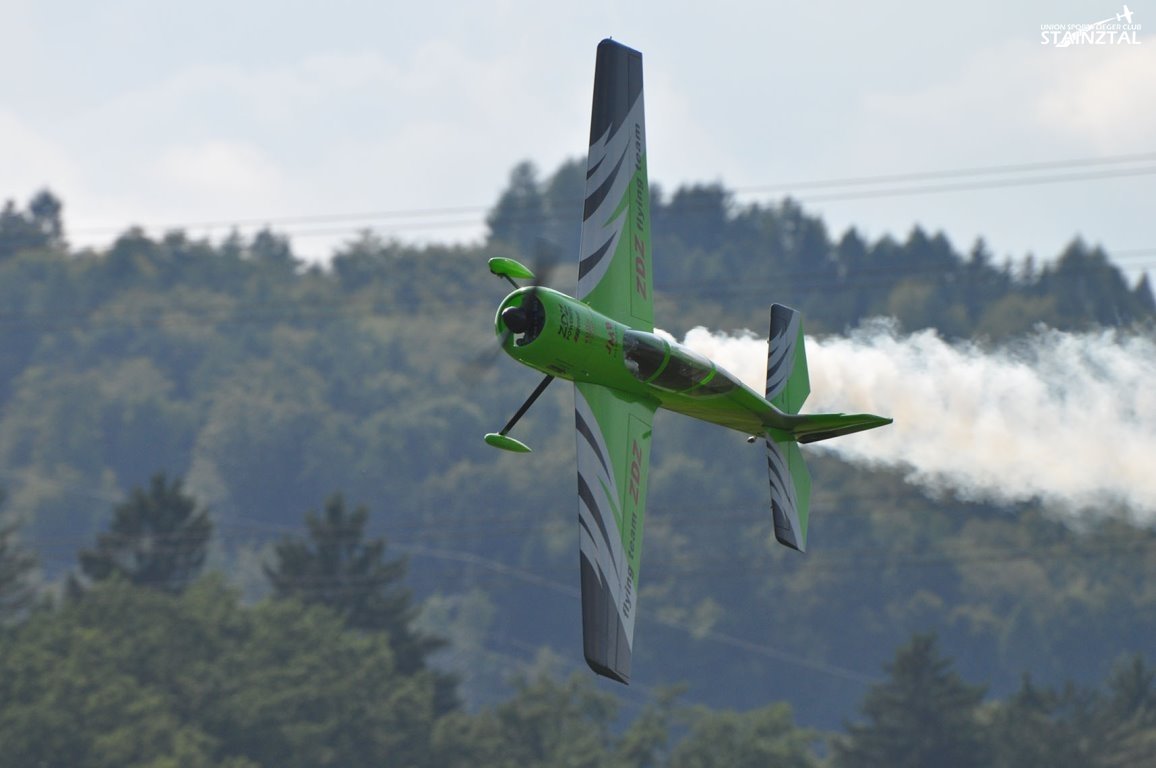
{"x": 519, "y": 320}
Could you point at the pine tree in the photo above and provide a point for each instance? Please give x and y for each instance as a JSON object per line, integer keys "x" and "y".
{"x": 1130, "y": 714}
{"x": 760, "y": 737}
{"x": 16, "y": 566}
{"x": 924, "y": 714}
{"x": 158, "y": 539}
{"x": 38, "y": 228}
{"x": 335, "y": 566}
{"x": 1042, "y": 726}
{"x": 1144, "y": 297}
{"x": 519, "y": 217}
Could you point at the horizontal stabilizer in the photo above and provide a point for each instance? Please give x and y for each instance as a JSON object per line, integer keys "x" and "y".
{"x": 823, "y": 426}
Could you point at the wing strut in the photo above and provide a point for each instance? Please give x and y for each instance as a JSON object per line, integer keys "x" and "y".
{"x": 501, "y": 439}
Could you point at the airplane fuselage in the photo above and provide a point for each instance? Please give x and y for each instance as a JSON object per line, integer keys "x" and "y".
{"x": 570, "y": 340}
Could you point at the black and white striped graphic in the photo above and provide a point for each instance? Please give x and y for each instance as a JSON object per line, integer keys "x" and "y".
{"x": 782, "y": 342}
{"x": 784, "y": 497}
{"x": 617, "y": 126}
{"x": 598, "y": 495}
{"x": 607, "y": 627}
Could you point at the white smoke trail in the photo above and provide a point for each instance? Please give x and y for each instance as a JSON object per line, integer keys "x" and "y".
{"x": 1069, "y": 418}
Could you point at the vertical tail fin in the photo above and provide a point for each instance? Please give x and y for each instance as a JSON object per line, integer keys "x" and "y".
{"x": 788, "y": 384}
{"x": 790, "y": 492}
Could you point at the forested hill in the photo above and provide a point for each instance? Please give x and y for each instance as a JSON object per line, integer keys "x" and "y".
{"x": 731, "y": 260}
{"x": 268, "y": 384}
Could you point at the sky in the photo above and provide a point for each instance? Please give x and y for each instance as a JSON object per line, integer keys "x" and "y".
{"x": 324, "y": 119}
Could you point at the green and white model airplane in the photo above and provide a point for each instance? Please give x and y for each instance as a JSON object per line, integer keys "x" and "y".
{"x": 603, "y": 341}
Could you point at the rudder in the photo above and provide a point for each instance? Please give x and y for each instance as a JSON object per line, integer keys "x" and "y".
{"x": 790, "y": 492}
{"x": 788, "y": 382}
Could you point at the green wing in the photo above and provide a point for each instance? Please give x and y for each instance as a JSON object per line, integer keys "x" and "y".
{"x": 613, "y": 436}
{"x": 614, "y": 263}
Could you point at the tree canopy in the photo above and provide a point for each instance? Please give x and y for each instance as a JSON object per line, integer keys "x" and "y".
{"x": 264, "y": 383}
{"x": 923, "y": 714}
{"x": 158, "y": 538}
{"x": 17, "y": 564}
{"x": 337, "y": 567}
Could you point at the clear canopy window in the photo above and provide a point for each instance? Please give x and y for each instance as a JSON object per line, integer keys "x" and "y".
{"x": 669, "y": 366}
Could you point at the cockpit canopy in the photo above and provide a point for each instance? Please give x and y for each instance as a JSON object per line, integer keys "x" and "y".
{"x": 672, "y": 367}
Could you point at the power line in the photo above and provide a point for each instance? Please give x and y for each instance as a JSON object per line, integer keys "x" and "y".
{"x": 429, "y": 538}
{"x": 419, "y": 519}
{"x": 851, "y": 558}
{"x": 985, "y": 170}
{"x": 238, "y": 311}
{"x": 303, "y": 219}
{"x": 568, "y": 590}
{"x": 894, "y": 184}
{"x": 979, "y": 185}
{"x": 716, "y": 636}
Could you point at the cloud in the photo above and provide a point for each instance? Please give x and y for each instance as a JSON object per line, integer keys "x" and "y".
{"x": 230, "y": 173}
{"x": 985, "y": 109}
{"x": 1101, "y": 96}
{"x": 330, "y": 132}
{"x": 1016, "y": 93}
{"x": 32, "y": 161}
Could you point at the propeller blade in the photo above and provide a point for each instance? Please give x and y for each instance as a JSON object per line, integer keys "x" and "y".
{"x": 547, "y": 254}
{"x": 546, "y": 257}
{"x": 485, "y": 360}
